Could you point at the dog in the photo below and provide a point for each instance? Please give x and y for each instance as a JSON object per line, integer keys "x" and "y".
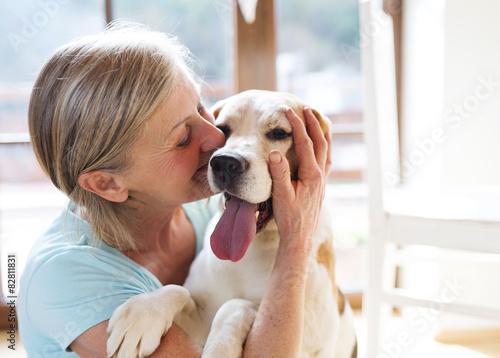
{"x": 220, "y": 298}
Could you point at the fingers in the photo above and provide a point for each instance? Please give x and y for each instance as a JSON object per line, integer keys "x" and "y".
{"x": 328, "y": 153}
{"x": 311, "y": 146}
{"x": 317, "y": 136}
{"x": 303, "y": 144}
{"x": 280, "y": 173}
{"x": 284, "y": 193}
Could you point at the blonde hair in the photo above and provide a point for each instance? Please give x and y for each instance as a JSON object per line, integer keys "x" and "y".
{"x": 88, "y": 106}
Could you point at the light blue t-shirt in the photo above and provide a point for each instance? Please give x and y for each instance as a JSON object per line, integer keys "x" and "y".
{"x": 69, "y": 286}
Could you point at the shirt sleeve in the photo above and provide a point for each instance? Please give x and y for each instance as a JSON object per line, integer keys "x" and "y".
{"x": 79, "y": 288}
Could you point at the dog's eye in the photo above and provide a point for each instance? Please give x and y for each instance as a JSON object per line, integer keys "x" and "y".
{"x": 225, "y": 129}
{"x": 278, "y": 134}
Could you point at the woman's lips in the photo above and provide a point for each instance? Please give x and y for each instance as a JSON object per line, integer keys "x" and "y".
{"x": 201, "y": 172}
{"x": 203, "y": 168}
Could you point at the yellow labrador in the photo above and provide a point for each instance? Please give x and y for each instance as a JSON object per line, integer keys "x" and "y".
{"x": 220, "y": 297}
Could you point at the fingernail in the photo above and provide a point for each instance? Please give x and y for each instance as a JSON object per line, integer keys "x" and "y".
{"x": 275, "y": 158}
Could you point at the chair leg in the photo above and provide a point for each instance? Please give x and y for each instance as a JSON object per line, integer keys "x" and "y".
{"x": 381, "y": 277}
{"x": 373, "y": 297}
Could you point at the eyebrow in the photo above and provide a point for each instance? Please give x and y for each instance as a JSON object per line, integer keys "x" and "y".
{"x": 174, "y": 127}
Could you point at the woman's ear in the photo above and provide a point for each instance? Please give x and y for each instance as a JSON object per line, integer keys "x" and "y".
{"x": 104, "y": 185}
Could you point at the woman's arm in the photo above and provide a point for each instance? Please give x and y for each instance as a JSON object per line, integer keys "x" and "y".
{"x": 175, "y": 343}
{"x": 277, "y": 330}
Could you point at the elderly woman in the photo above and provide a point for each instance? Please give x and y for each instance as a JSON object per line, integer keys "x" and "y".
{"x": 117, "y": 123}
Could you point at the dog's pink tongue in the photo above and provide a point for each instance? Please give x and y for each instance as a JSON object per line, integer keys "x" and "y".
{"x": 235, "y": 230}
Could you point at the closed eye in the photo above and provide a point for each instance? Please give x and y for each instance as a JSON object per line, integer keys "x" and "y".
{"x": 186, "y": 139}
{"x": 278, "y": 134}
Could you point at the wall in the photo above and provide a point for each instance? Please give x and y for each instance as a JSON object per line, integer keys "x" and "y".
{"x": 471, "y": 155}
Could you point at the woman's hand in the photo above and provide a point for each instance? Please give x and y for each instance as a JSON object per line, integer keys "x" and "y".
{"x": 296, "y": 204}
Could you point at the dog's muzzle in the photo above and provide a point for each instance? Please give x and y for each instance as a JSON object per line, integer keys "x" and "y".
{"x": 241, "y": 220}
{"x": 226, "y": 168}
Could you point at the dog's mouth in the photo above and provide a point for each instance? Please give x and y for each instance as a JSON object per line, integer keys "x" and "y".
{"x": 263, "y": 214}
{"x": 237, "y": 227}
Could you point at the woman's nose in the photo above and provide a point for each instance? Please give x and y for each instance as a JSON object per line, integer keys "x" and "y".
{"x": 212, "y": 137}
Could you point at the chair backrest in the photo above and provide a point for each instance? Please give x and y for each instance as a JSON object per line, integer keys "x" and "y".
{"x": 380, "y": 115}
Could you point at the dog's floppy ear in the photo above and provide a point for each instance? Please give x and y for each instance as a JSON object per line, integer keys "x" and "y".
{"x": 324, "y": 122}
{"x": 217, "y": 107}
{"x": 298, "y": 108}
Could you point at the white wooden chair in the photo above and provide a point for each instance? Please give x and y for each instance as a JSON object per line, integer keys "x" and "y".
{"x": 399, "y": 216}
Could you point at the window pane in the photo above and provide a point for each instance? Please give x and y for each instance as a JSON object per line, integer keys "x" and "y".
{"x": 204, "y": 26}
{"x": 319, "y": 60}
{"x": 319, "y": 53}
{"x": 29, "y": 32}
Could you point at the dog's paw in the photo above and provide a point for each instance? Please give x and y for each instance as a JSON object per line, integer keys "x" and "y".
{"x": 230, "y": 328}
{"x": 136, "y": 327}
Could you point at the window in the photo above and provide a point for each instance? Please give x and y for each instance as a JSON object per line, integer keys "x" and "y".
{"x": 205, "y": 27}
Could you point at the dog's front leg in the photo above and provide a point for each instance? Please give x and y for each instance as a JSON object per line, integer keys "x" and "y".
{"x": 136, "y": 327}
{"x": 230, "y": 329}
{"x": 195, "y": 318}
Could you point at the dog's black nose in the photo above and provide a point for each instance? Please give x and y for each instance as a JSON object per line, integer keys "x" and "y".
{"x": 226, "y": 168}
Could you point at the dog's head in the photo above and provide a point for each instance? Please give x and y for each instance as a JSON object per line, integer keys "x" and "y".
{"x": 254, "y": 123}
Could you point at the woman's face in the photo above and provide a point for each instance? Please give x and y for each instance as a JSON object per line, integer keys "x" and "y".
{"x": 170, "y": 160}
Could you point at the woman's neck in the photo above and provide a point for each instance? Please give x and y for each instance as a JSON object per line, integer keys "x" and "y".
{"x": 166, "y": 245}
